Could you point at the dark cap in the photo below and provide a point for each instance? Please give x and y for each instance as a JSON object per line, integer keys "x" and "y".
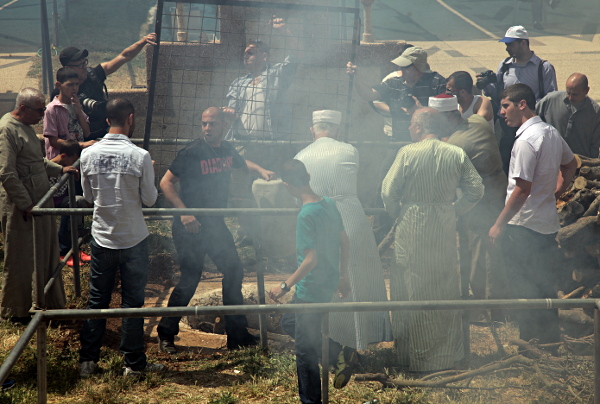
{"x": 71, "y": 54}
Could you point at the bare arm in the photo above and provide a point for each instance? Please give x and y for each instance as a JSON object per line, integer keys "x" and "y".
{"x": 366, "y": 92}
{"x": 167, "y": 185}
{"x": 485, "y": 109}
{"x": 128, "y": 54}
{"x": 565, "y": 176}
{"x": 264, "y": 174}
{"x": 513, "y": 205}
{"x": 308, "y": 264}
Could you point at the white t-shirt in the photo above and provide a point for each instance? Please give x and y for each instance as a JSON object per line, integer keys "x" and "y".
{"x": 537, "y": 155}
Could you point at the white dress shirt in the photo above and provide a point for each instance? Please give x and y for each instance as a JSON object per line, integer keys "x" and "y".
{"x": 537, "y": 155}
{"x": 117, "y": 176}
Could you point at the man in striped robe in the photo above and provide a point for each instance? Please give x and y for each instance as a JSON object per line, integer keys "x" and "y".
{"x": 420, "y": 189}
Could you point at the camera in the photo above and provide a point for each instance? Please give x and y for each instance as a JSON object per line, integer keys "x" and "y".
{"x": 485, "y": 78}
{"x": 91, "y": 105}
{"x": 408, "y": 101}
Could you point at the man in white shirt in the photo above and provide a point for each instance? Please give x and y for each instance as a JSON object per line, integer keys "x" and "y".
{"x": 541, "y": 168}
{"x": 117, "y": 177}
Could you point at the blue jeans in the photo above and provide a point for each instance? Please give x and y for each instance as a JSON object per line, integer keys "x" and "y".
{"x": 133, "y": 264}
{"x": 216, "y": 241}
{"x": 305, "y": 328}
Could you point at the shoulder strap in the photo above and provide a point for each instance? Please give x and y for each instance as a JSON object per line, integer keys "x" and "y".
{"x": 542, "y": 92}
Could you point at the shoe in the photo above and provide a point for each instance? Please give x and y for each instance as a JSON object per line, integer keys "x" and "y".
{"x": 538, "y": 25}
{"x": 83, "y": 257}
{"x": 345, "y": 367}
{"x": 166, "y": 346}
{"x": 87, "y": 368}
{"x": 20, "y": 320}
{"x": 246, "y": 340}
{"x": 8, "y": 384}
{"x": 69, "y": 262}
{"x": 150, "y": 368}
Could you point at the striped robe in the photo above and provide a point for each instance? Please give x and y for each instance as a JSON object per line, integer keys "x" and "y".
{"x": 420, "y": 189}
{"x": 333, "y": 168}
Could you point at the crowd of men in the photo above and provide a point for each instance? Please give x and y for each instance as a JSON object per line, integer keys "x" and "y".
{"x": 487, "y": 168}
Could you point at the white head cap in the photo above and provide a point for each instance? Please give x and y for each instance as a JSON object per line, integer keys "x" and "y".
{"x": 327, "y": 115}
{"x": 444, "y": 103}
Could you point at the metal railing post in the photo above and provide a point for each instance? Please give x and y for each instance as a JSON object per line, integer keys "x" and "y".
{"x": 74, "y": 236}
{"x": 42, "y": 362}
{"x": 39, "y": 278}
{"x": 325, "y": 358}
{"x": 597, "y": 353}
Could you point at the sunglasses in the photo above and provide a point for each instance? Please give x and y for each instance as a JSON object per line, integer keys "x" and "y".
{"x": 38, "y": 110}
{"x": 81, "y": 65}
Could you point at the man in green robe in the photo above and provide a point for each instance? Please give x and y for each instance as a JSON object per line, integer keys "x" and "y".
{"x": 24, "y": 178}
{"x": 420, "y": 189}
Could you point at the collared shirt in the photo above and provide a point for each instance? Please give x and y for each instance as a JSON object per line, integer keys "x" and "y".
{"x": 259, "y": 102}
{"x": 526, "y": 74}
{"x": 117, "y": 176}
{"x": 580, "y": 127}
{"x": 62, "y": 123}
{"x": 537, "y": 155}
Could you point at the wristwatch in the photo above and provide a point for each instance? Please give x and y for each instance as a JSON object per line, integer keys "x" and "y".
{"x": 284, "y": 287}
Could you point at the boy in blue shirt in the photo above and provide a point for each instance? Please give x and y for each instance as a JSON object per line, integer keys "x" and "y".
{"x": 322, "y": 250}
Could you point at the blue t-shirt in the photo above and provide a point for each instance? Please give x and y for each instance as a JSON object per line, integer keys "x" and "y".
{"x": 318, "y": 228}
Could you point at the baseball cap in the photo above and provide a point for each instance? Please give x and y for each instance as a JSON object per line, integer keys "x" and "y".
{"x": 443, "y": 103}
{"x": 413, "y": 56}
{"x": 327, "y": 115}
{"x": 71, "y": 54}
{"x": 514, "y": 33}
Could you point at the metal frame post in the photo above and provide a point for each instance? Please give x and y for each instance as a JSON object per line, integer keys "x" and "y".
{"x": 74, "y": 236}
{"x": 40, "y": 298}
{"x": 46, "y": 58}
{"x": 597, "y": 353}
{"x": 42, "y": 363}
{"x": 325, "y": 358}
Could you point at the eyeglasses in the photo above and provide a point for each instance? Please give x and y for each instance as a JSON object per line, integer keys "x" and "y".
{"x": 81, "y": 65}
{"x": 38, "y": 110}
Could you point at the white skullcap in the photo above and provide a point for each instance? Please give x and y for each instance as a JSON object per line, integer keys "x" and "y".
{"x": 444, "y": 103}
{"x": 327, "y": 115}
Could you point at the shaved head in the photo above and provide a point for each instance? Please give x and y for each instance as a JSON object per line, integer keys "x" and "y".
{"x": 577, "y": 88}
{"x": 579, "y": 80}
{"x": 215, "y": 112}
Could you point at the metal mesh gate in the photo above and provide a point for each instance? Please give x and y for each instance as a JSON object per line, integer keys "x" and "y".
{"x": 199, "y": 63}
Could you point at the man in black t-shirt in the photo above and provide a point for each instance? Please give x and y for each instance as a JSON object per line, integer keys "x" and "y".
{"x": 203, "y": 169}
{"x": 92, "y": 93}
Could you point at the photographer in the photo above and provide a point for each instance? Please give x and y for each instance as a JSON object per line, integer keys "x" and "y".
{"x": 521, "y": 66}
{"x": 93, "y": 93}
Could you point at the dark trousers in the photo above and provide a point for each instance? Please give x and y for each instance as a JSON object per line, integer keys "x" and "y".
{"x": 532, "y": 261}
{"x": 305, "y": 328}
{"x": 216, "y": 241}
{"x": 133, "y": 265}
{"x": 64, "y": 229}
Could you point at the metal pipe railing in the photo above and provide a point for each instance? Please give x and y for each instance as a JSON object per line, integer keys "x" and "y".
{"x": 228, "y": 212}
{"x": 183, "y": 142}
{"x": 20, "y": 346}
{"x": 73, "y": 314}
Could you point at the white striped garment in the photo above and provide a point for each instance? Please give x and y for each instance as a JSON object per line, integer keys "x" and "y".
{"x": 333, "y": 168}
{"x": 420, "y": 188}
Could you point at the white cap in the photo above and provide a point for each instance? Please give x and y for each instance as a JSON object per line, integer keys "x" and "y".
{"x": 514, "y": 33}
{"x": 327, "y": 115}
{"x": 444, "y": 103}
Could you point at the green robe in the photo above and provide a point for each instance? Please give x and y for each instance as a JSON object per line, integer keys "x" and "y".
{"x": 420, "y": 189}
{"x": 24, "y": 178}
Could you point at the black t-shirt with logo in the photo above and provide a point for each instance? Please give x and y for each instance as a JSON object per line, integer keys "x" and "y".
{"x": 204, "y": 173}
